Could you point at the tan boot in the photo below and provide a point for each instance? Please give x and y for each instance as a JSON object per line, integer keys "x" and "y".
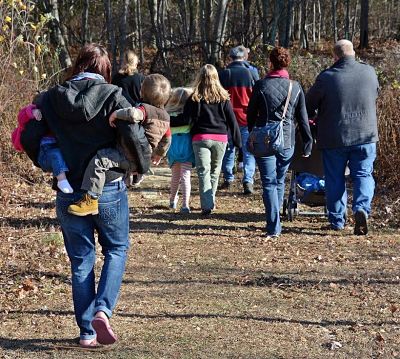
{"x": 86, "y": 205}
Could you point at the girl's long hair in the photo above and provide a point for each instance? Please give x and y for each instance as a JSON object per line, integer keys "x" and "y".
{"x": 130, "y": 62}
{"x": 93, "y": 58}
{"x": 207, "y": 86}
{"x": 178, "y": 99}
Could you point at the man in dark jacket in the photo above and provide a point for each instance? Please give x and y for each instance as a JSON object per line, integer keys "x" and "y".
{"x": 344, "y": 97}
{"x": 239, "y": 78}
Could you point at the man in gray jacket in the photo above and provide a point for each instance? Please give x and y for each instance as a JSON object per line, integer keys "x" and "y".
{"x": 344, "y": 97}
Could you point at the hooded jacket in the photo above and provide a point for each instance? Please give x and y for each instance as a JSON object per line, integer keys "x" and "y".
{"x": 77, "y": 114}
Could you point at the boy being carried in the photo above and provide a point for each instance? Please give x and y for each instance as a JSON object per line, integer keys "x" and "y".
{"x": 155, "y": 92}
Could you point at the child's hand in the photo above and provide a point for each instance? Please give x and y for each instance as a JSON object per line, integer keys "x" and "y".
{"x": 156, "y": 159}
{"x": 112, "y": 119}
{"x": 37, "y": 114}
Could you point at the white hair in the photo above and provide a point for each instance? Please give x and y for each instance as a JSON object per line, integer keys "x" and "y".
{"x": 343, "y": 48}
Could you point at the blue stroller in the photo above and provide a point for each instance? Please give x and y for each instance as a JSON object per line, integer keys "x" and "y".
{"x": 306, "y": 185}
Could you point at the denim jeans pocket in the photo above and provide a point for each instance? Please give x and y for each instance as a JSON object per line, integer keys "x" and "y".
{"x": 110, "y": 212}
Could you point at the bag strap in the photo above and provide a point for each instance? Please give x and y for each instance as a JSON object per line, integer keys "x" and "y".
{"x": 287, "y": 100}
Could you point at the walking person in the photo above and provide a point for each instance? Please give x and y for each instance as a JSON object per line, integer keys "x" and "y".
{"x": 77, "y": 114}
{"x": 211, "y": 118}
{"x": 266, "y": 105}
{"x": 239, "y": 78}
{"x": 128, "y": 78}
{"x": 344, "y": 97}
{"x": 180, "y": 154}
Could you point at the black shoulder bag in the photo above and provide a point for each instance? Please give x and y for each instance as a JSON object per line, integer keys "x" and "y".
{"x": 268, "y": 139}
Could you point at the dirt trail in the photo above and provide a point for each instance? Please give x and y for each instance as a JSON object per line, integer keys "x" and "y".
{"x": 204, "y": 287}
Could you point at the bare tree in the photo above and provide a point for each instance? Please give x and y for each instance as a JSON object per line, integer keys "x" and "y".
{"x": 218, "y": 31}
{"x": 364, "y": 24}
{"x": 110, "y": 32}
{"x": 139, "y": 26}
{"x": 57, "y": 38}
{"x": 347, "y": 22}
{"x": 122, "y": 27}
{"x": 334, "y": 22}
{"x": 303, "y": 34}
{"x": 85, "y": 22}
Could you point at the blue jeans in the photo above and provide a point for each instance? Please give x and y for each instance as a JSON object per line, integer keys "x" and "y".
{"x": 272, "y": 173}
{"x": 249, "y": 163}
{"x": 50, "y": 159}
{"x": 360, "y": 160}
{"x": 208, "y": 156}
{"x": 112, "y": 226}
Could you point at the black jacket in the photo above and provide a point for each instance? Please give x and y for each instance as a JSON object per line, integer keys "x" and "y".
{"x": 212, "y": 118}
{"x": 77, "y": 113}
{"x": 345, "y": 97}
{"x": 130, "y": 85}
{"x": 268, "y": 98}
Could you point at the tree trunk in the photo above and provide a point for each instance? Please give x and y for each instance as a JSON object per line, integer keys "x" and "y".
{"x": 334, "y": 23}
{"x": 218, "y": 30}
{"x": 314, "y": 25}
{"x": 289, "y": 11}
{"x": 347, "y": 23}
{"x": 364, "y": 24}
{"x": 264, "y": 21}
{"x": 139, "y": 25}
{"x": 85, "y": 22}
{"x": 122, "y": 31}
{"x": 274, "y": 26}
{"x": 57, "y": 37}
{"x": 303, "y": 34}
{"x": 193, "y": 6}
{"x": 319, "y": 21}
{"x": 110, "y": 32}
{"x": 353, "y": 31}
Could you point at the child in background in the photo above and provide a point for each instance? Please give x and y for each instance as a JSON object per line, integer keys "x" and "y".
{"x": 211, "y": 117}
{"x": 180, "y": 154}
{"x": 155, "y": 92}
{"x": 49, "y": 158}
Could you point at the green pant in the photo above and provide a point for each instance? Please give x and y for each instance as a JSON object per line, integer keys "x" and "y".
{"x": 208, "y": 156}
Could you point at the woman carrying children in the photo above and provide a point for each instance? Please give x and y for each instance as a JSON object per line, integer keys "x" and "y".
{"x": 77, "y": 113}
{"x": 153, "y": 120}
{"x": 180, "y": 154}
{"x": 211, "y": 117}
{"x": 267, "y": 104}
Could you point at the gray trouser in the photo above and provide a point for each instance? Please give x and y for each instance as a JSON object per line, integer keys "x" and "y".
{"x": 208, "y": 155}
{"x": 95, "y": 174}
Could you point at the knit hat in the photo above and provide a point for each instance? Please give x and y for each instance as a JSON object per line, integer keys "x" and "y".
{"x": 238, "y": 52}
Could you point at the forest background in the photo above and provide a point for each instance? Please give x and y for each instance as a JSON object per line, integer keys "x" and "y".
{"x": 39, "y": 40}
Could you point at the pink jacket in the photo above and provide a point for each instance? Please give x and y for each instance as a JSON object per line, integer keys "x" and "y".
{"x": 24, "y": 116}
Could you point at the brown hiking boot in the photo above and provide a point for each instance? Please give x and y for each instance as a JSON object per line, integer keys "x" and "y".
{"x": 85, "y": 206}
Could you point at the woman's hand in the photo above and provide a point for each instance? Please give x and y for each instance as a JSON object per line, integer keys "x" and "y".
{"x": 112, "y": 119}
{"x": 37, "y": 114}
{"x": 156, "y": 159}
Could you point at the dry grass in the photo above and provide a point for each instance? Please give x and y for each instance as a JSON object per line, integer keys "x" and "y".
{"x": 204, "y": 287}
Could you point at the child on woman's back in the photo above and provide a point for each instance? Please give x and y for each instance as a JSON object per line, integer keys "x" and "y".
{"x": 155, "y": 92}
{"x": 49, "y": 157}
{"x": 180, "y": 154}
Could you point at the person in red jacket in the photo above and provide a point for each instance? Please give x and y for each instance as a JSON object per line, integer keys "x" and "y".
{"x": 239, "y": 78}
